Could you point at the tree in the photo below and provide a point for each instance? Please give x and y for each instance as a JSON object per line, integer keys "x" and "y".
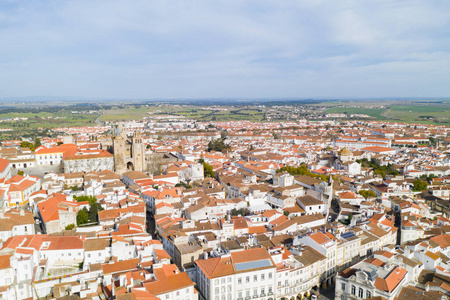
{"x": 223, "y": 134}
{"x": 37, "y": 142}
{"x": 83, "y": 217}
{"x": 286, "y": 213}
{"x": 20, "y": 172}
{"x": 302, "y": 170}
{"x": 90, "y": 199}
{"x": 428, "y": 178}
{"x": 70, "y": 227}
{"x": 367, "y": 193}
{"x": 28, "y": 145}
{"x": 419, "y": 185}
{"x": 183, "y": 184}
{"x": 218, "y": 145}
{"x": 93, "y": 212}
{"x": 240, "y": 211}
{"x": 88, "y": 216}
{"x": 208, "y": 170}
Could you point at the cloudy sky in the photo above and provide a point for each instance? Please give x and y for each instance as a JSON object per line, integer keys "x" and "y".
{"x": 225, "y": 49}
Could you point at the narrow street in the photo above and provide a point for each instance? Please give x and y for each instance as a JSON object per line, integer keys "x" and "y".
{"x": 327, "y": 293}
{"x": 333, "y": 212}
{"x": 151, "y": 224}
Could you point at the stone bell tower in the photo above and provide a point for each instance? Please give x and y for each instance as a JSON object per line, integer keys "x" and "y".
{"x": 119, "y": 143}
{"x": 138, "y": 152}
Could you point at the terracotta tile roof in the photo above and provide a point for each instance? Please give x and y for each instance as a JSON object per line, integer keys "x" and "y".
{"x": 391, "y": 281}
{"x": 120, "y": 266}
{"x": 109, "y": 214}
{"x": 442, "y": 240}
{"x": 320, "y": 238}
{"x": 5, "y": 262}
{"x": 375, "y": 261}
{"x": 13, "y": 218}
{"x": 3, "y": 164}
{"x": 58, "y": 149}
{"x": 168, "y": 279}
{"x": 223, "y": 266}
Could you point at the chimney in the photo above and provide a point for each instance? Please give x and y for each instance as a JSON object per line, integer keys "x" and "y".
{"x": 2, "y": 214}
{"x": 22, "y": 212}
{"x": 405, "y": 218}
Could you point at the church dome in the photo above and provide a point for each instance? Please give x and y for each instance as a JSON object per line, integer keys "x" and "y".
{"x": 346, "y": 152}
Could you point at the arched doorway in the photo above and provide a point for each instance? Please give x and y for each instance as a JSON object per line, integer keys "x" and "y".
{"x": 130, "y": 166}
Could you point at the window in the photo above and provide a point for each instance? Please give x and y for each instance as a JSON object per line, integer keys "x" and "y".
{"x": 247, "y": 279}
{"x": 270, "y": 289}
{"x": 255, "y": 292}
{"x": 222, "y": 280}
{"x": 343, "y": 287}
{"x": 239, "y": 294}
{"x": 368, "y": 294}
{"x": 216, "y": 290}
{"x": 270, "y": 275}
{"x": 262, "y": 276}
{"x": 353, "y": 290}
{"x": 361, "y": 293}
{"x": 239, "y": 280}
{"x": 255, "y": 278}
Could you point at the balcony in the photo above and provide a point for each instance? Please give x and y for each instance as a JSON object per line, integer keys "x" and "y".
{"x": 269, "y": 293}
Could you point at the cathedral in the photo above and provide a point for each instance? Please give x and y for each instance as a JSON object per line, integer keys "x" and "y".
{"x": 129, "y": 155}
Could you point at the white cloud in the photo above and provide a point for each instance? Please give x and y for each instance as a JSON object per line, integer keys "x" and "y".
{"x": 177, "y": 49}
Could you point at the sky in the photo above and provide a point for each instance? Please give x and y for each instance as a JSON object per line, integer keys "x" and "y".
{"x": 225, "y": 49}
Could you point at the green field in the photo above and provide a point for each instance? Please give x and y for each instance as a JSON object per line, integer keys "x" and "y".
{"x": 440, "y": 114}
{"x": 191, "y": 112}
{"x": 397, "y": 111}
{"x": 47, "y": 120}
{"x": 373, "y": 112}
